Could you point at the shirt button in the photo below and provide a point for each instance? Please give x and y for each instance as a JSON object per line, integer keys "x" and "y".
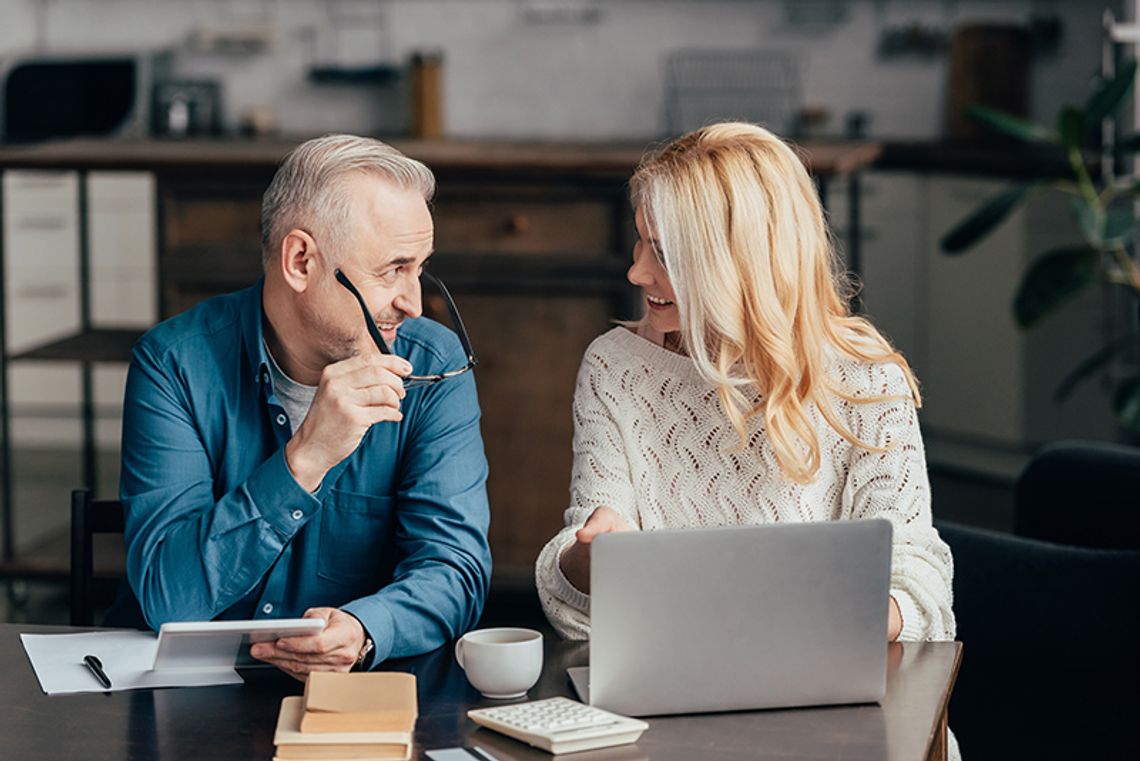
{"x": 298, "y": 515}
{"x": 265, "y": 378}
{"x": 267, "y": 608}
{"x": 281, "y": 420}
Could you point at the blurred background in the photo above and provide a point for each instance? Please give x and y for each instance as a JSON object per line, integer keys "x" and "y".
{"x": 533, "y": 112}
{"x": 136, "y": 138}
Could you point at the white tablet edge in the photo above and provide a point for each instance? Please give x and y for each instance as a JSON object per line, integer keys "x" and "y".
{"x": 284, "y": 627}
{"x": 215, "y": 644}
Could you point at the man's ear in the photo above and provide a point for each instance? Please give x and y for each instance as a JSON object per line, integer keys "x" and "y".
{"x": 298, "y": 259}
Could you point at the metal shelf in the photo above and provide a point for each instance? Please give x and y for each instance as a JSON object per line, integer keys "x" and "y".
{"x": 95, "y": 345}
{"x": 88, "y": 346}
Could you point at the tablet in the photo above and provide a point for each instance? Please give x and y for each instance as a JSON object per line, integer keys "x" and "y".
{"x": 215, "y": 644}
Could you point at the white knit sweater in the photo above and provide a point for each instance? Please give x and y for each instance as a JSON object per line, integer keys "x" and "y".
{"x": 652, "y": 442}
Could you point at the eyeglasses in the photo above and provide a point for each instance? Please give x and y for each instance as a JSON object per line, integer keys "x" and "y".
{"x": 414, "y": 381}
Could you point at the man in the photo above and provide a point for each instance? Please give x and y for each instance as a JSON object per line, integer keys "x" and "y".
{"x": 275, "y": 465}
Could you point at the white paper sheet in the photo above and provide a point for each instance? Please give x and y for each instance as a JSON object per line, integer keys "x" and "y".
{"x": 127, "y": 658}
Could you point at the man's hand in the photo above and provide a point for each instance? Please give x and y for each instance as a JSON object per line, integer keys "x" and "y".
{"x": 353, "y": 395}
{"x": 575, "y": 561}
{"x": 334, "y": 649}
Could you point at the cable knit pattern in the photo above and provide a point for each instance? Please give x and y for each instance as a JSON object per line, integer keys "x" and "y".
{"x": 652, "y": 442}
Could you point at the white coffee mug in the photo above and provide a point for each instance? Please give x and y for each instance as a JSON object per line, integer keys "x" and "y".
{"x": 501, "y": 663}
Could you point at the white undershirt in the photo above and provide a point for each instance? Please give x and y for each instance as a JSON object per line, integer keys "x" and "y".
{"x": 295, "y": 397}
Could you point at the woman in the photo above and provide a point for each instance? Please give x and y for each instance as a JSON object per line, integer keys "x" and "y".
{"x": 749, "y": 393}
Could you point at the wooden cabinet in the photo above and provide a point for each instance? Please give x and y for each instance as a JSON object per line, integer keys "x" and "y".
{"x": 536, "y": 266}
{"x": 210, "y": 242}
{"x": 532, "y": 240}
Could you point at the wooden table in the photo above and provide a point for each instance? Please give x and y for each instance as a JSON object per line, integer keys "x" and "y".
{"x": 237, "y": 722}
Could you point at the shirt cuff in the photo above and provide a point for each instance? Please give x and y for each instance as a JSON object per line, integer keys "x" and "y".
{"x": 564, "y": 590}
{"x": 378, "y": 625}
{"x": 370, "y": 658}
{"x": 282, "y": 502}
{"x": 911, "y": 616}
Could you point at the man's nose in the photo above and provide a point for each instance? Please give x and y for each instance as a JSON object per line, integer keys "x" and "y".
{"x": 409, "y": 300}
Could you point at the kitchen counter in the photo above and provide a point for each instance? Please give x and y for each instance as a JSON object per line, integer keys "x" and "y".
{"x": 1012, "y": 160}
{"x": 824, "y": 158}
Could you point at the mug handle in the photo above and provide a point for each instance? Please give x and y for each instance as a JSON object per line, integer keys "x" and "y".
{"x": 459, "y": 653}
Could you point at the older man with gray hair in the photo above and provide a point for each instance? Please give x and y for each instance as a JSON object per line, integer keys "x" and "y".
{"x": 285, "y": 455}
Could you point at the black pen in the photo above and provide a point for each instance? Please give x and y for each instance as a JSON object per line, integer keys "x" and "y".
{"x": 96, "y": 667}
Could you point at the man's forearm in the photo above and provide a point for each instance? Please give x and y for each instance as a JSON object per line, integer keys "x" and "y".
{"x": 192, "y": 561}
{"x": 436, "y": 599}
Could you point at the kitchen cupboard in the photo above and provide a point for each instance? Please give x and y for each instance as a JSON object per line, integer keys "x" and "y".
{"x": 536, "y": 269}
{"x": 533, "y": 241}
{"x": 42, "y": 285}
{"x": 43, "y": 297}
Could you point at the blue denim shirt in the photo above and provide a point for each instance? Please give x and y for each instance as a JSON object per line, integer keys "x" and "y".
{"x": 218, "y": 528}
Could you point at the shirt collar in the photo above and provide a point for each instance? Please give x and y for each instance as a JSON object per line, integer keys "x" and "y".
{"x": 252, "y": 319}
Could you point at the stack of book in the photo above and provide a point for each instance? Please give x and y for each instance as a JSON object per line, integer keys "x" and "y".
{"x": 361, "y": 716}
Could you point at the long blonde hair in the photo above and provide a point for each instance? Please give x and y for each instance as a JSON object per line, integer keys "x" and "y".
{"x": 758, "y": 284}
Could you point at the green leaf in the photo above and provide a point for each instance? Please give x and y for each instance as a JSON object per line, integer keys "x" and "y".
{"x": 1071, "y": 126}
{"x": 1119, "y": 226}
{"x": 1094, "y": 362}
{"x": 1053, "y": 279}
{"x": 1105, "y": 100}
{"x": 1091, "y": 221}
{"x": 1126, "y": 402}
{"x": 983, "y": 219}
{"x": 1014, "y": 126}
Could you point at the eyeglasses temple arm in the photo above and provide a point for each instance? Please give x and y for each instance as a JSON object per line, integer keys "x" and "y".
{"x": 373, "y": 331}
{"x": 453, "y": 312}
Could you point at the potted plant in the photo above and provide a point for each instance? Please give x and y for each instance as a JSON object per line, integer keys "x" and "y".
{"x": 1105, "y": 215}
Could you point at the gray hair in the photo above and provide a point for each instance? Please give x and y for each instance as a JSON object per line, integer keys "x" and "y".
{"x": 308, "y": 190}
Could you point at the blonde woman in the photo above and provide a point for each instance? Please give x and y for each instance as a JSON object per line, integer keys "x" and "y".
{"x": 749, "y": 393}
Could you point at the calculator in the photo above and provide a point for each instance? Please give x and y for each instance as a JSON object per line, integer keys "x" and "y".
{"x": 560, "y": 725}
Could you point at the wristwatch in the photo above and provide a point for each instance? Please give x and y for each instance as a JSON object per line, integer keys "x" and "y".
{"x": 365, "y": 649}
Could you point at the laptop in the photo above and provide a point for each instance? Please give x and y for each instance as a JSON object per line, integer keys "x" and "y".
{"x": 738, "y": 618}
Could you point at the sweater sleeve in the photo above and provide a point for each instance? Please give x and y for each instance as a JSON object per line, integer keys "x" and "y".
{"x": 893, "y": 484}
{"x": 600, "y": 476}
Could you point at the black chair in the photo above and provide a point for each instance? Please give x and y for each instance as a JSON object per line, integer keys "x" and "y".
{"x": 1050, "y": 665}
{"x": 1081, "y": 493}
{"x": 88, "y": 518}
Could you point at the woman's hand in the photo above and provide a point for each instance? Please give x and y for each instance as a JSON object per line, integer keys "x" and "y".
{"x": 894, "y": 620}
{"x": 575, "y": 560}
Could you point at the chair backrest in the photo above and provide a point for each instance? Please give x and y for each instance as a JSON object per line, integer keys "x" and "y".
{"x": 1081, "y": 493}
{"x": 1049, "y": 665}
{"x": 88, "y": 518}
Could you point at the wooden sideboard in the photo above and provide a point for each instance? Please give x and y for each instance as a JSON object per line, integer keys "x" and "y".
{"x": 533, "y": 241}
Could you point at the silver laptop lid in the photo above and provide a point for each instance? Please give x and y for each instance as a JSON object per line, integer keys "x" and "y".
{"x": 741, "y": 617}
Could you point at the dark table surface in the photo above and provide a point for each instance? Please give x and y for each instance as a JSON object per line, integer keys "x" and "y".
{"x": 237, "y": 722}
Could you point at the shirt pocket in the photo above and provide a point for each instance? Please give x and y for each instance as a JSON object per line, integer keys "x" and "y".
{"x": 357, "y": 547}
